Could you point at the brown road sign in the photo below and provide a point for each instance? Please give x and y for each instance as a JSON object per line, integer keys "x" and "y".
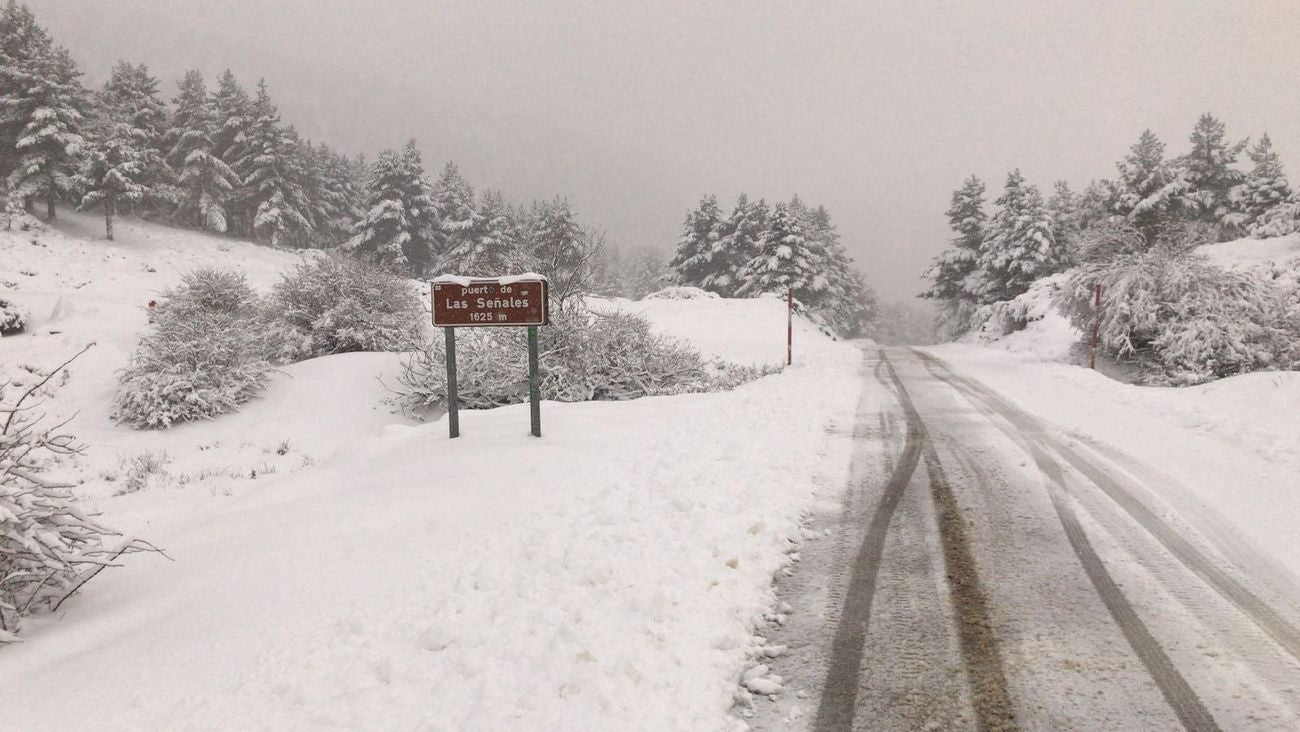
{"x": 490, "y": 302}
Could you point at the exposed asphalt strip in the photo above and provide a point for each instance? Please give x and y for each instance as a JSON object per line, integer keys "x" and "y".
{"x": 1175, "y": 689}
{"x": 1261, "y": 613}
{"x": 838, "y": 702}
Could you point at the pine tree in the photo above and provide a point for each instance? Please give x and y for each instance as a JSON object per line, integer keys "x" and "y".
{"x": 788, "y": 257}
{"x": 132, "y": 114}
{"x": 1095, "y": 204}
{"x": 42, "y": 109}
{"x": 400, "y": 222}
{"x": 205, "y": 182}
{"x": 952, "y": 274}
{"x": 114, "y": 174}
{"x": 1208, "y": 171}
{"x": 491, "y": 247}
{"x": 1063, "y": 207}
{"x": 848, "y": 304}
{"x": 460, "y": 225}
{"x": 232, "y": 115}
{"x": 1018, "y": 246}
{"x": 644, "y": 270}
{"x": 562, "y": 249}
{"x": 1265, "y": 187}
{"x": 738, "y": 244}
{"x": 332, "y": 194}
{"x": 1149, "y": 192}
{"x": 697, "y": 248}
{"x": 271, "y": 171}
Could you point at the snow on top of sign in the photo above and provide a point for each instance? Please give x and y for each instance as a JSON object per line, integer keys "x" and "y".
{"x": 506, "y": 280}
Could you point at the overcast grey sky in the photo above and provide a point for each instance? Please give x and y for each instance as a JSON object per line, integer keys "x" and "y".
{"x": 633, "y": 109}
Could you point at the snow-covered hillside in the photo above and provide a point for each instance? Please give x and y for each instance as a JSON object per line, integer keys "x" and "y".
{"x": 333, "y": 564}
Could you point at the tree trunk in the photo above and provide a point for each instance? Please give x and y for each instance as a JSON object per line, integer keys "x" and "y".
{"x": 109, "y": 206}
{"x": 49, "y": 199}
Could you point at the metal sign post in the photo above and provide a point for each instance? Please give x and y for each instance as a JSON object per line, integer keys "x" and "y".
{"x": 534, "y": 384}
{"x": 460, "y": 302}
{"x": 453, "y": 401}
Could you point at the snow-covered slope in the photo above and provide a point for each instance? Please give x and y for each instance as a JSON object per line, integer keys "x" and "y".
{"x": 381, "y": 576}
{"x": 1249, "y": 252}
{"x": 1225, "y": 454}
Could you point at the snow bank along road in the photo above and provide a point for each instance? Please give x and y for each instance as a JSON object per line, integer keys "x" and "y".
{"x": 996, "y": 575}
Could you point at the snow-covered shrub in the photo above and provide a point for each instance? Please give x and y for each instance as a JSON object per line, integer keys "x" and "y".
{"x": 1280, "y": 220}
{"x": 583, "y": 356}
{"x": 995, "y": 320}
{"x": 203, "y": 357}
{"x": 682, "y": 292}
{"x": 336, "y": 304}
{"x": 1184, "y": 319}
{"x": 13, "y": 318}
{"x": 48, "y": 548}
{"x": 144, "y": 471}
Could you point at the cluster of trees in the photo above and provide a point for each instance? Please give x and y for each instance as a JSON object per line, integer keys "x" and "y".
{"x": 996, "y": 258}
{"x": 224, "y": 161}
{"x": 219, "y": 160}
{"x": 445, "y": 228}
{"x": 759, "y": 249}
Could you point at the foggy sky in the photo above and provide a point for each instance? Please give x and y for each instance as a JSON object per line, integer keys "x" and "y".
{"x": 635, "y": 109}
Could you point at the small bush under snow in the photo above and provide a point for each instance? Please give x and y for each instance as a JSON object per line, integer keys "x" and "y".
{"x": 336, "y": 304}
{"x": 203, "y": 357}
{"x": 13, "y": 317}
{"x": 48, "y": 548}
{"x": 583, "y": 356}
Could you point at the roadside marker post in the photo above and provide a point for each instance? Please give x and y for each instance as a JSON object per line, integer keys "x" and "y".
{"x": 462, "y": 302}
{"x": 1096, "y": 323}
{"x": 789, "y": 326}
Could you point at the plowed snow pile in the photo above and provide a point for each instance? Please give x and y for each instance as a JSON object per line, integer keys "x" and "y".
{"x": 377, "y": 575}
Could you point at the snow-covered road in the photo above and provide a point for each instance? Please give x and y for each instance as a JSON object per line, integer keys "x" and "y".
{"x": 988, "y": 571}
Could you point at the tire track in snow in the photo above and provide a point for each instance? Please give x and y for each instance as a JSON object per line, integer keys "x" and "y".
{"x": 1260, "y": 612}
{"x": 840, "y": 693}
{"x": 980, "y": 653}
{"x": 1177, "y": 692}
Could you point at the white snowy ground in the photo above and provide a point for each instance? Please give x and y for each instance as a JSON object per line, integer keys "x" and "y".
{"x": 380, "y": 576}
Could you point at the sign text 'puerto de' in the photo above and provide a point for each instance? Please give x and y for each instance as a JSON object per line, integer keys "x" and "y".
{"x": 462, "y": 302}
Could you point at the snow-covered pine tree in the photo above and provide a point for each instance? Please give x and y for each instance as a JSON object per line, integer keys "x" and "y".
{"x": 204, "y": 180}
{"x": 1149, "y": 190}
{"x": 1208, "y": 171}
{"x": 1265, "y": 187}
{"x": 694, "y": 261}
{"x": 399, "y": 224}
{"x": 739, "y": 243}
{"x": 114, "y": 174}
{"x": 1094, "y": 204}
{"x": 232, "y": 115}
{"x": 130, "y": 110}
{"x": 332, "y": 194}
{"x": 951, "y": 275}
{"x": 788, "y": 257}
{"x": 272, "y": 174}
{"x": 562, "y": 248}
{"x": 460, "y": 225}
{"x": 849, "y": 305}
{"x": 492, "y": 246}
{"x": 1280, "y": 220}
{"x": 1063, "y": 207}
{"x": 1018, "y": 246}
{"x": 645, "y": 270}
{"x": 42, "y": 109}
{"x": 22, "y": 41}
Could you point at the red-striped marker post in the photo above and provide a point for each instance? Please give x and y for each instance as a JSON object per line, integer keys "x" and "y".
{"x": 789, "y": 326}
